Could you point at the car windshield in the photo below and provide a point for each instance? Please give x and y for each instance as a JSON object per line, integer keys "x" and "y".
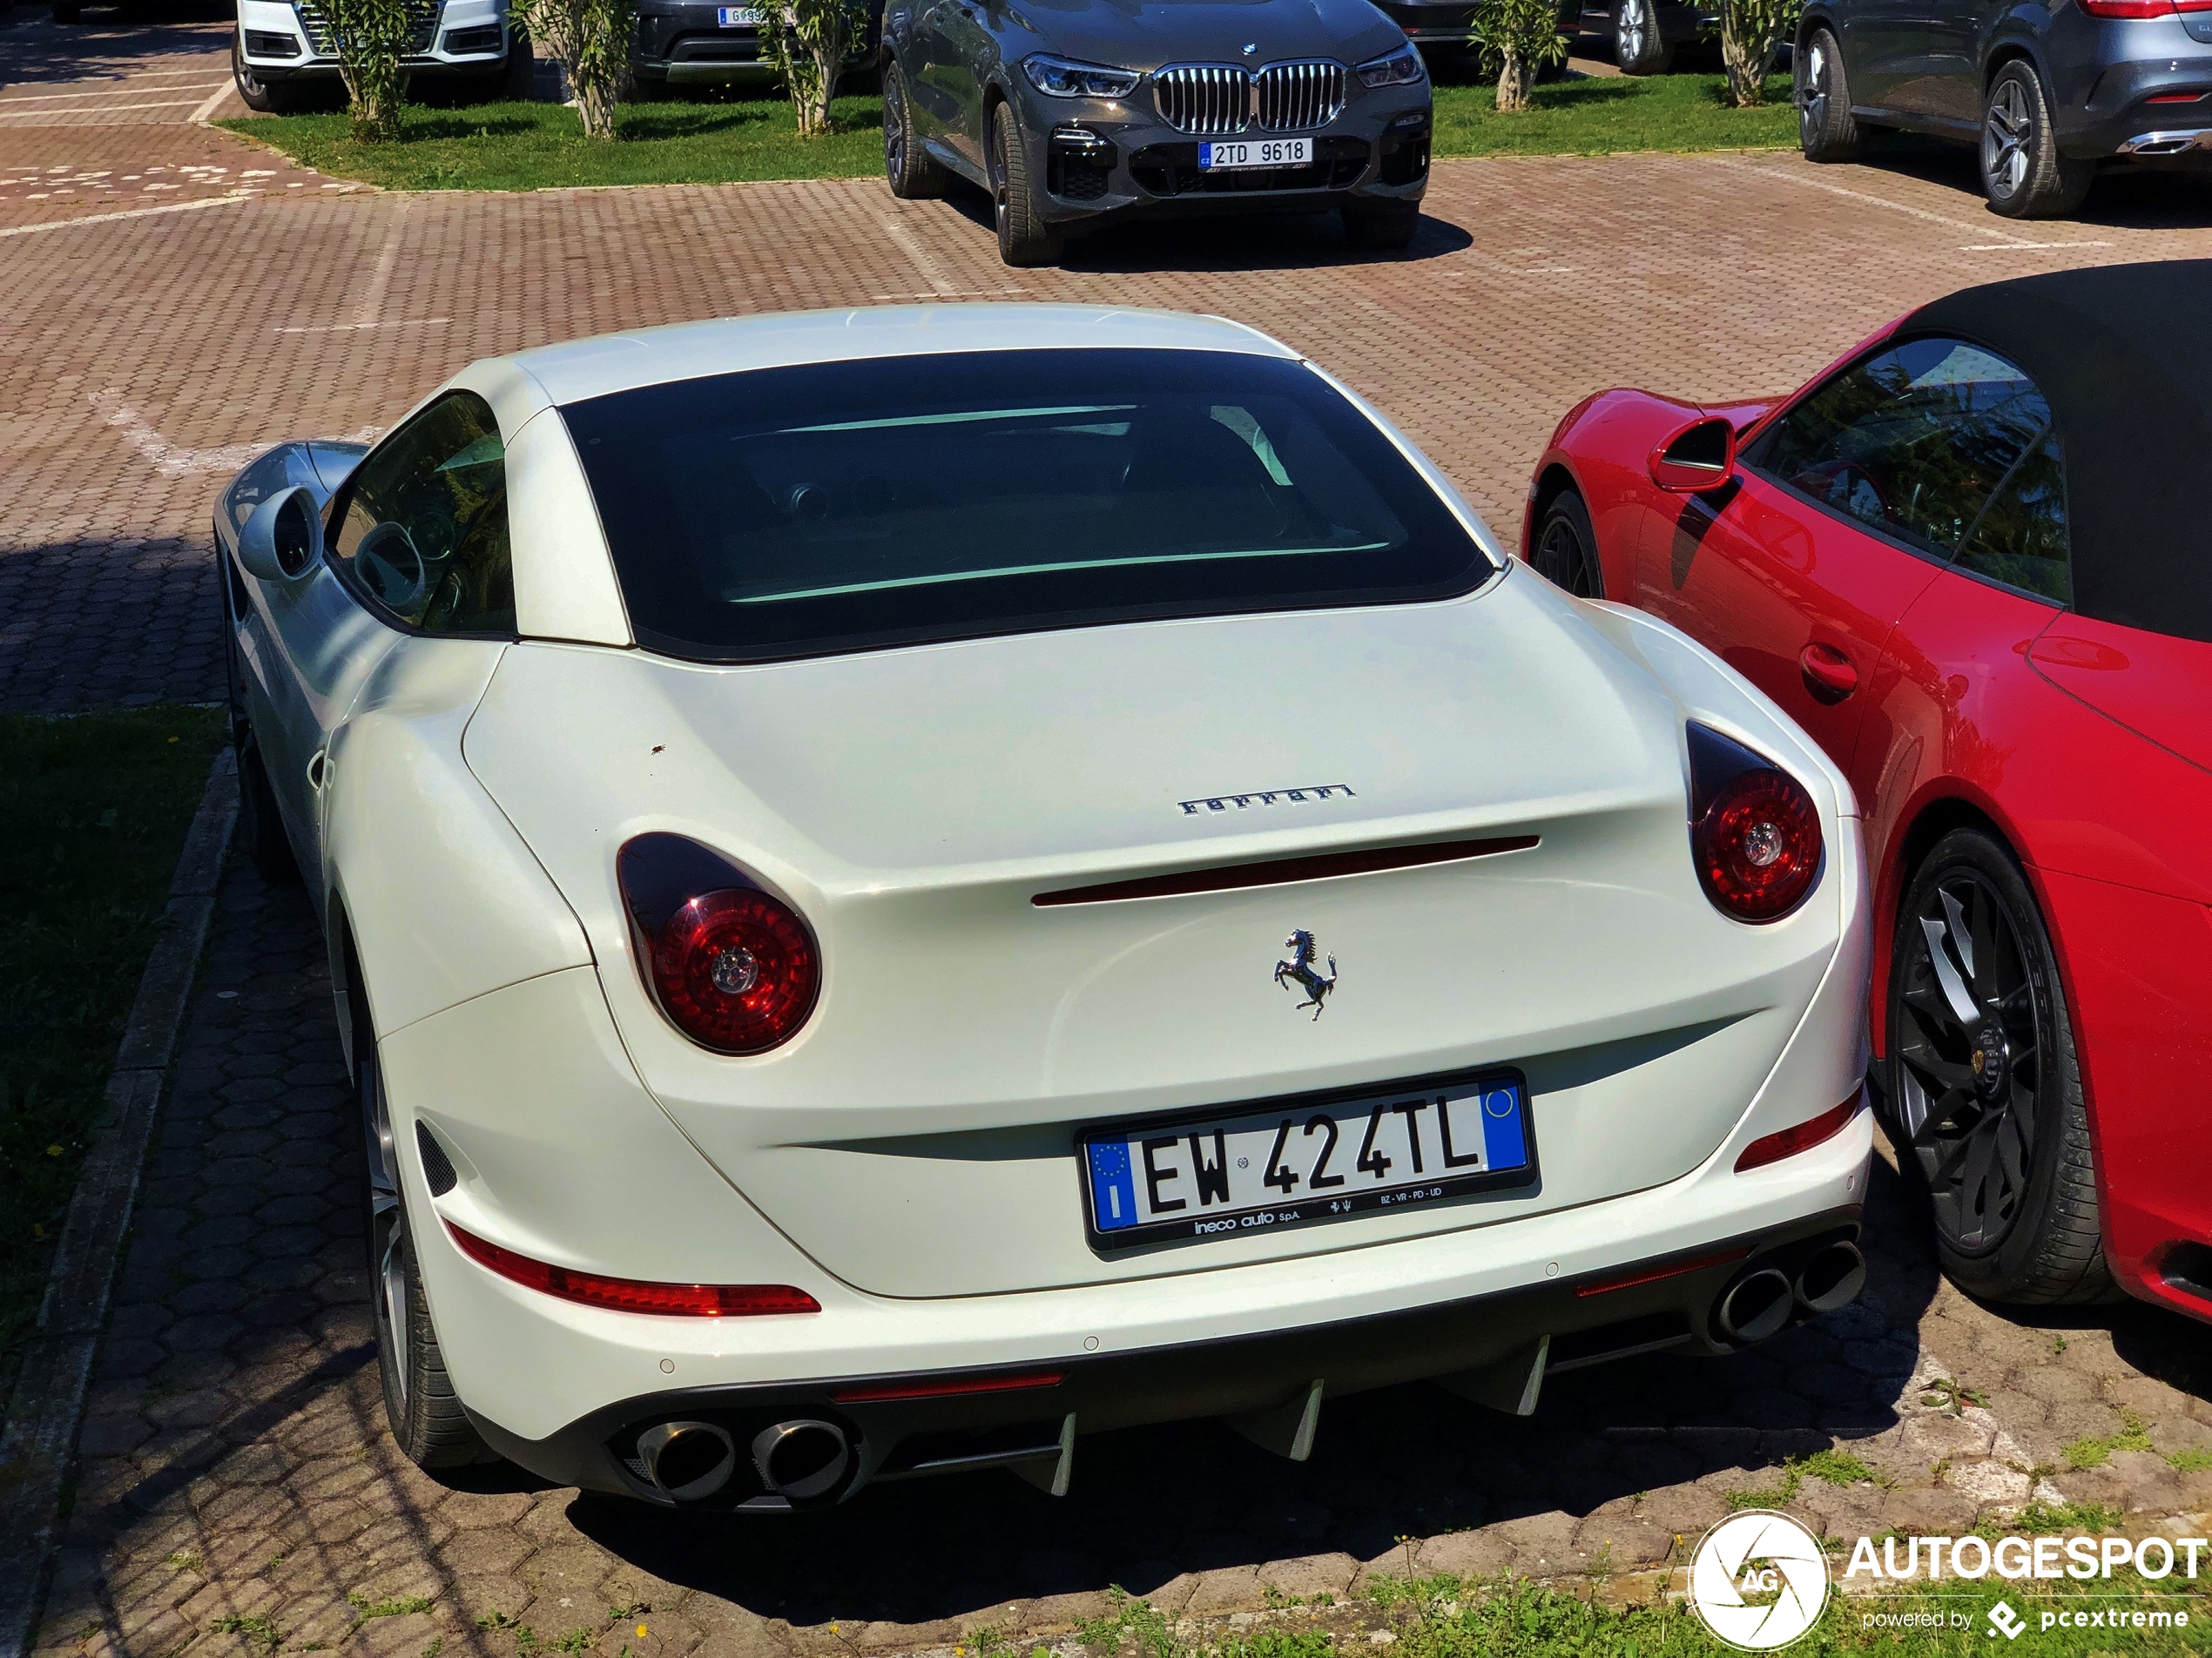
{"x": 844, "y": 506}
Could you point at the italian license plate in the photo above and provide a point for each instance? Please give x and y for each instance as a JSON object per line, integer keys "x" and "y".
{"x": 737, "y": 17}
{"x": 1266, "y": 1167}
{"x": 1254, "y": 152}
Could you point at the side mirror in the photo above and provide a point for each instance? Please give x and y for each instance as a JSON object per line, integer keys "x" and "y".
{"x": 283, "y": 539}
{"x": 1700, "y": 456}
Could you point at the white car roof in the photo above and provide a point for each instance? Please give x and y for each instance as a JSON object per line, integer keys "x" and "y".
{"x": 585, "y": 369}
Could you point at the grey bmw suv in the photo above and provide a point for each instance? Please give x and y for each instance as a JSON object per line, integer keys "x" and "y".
{"x": 2048, "y": 89}
{"x": 1070, "y": 111}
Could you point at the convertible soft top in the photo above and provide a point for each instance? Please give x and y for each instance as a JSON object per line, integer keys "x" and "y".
{"x": 2122, "y": 353}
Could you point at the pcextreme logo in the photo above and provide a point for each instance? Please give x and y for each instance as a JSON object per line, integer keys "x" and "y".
{"x": 1758, "y": 1581}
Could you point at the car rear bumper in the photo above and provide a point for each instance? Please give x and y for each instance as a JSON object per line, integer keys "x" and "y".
{"x": 1026, "y": 1417}
{"x": 2138, "y": 89}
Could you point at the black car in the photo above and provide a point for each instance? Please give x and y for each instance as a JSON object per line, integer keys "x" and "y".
{"x": 2048, "y": 91}
{"x": 676, "y": 43}
{"x": 1072, "y": 111}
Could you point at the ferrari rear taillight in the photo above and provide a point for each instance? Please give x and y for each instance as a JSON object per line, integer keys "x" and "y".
{"x": 634, "y": 1295}
{"x": 733, "y": 967}
{"x": 1754, "y": 831}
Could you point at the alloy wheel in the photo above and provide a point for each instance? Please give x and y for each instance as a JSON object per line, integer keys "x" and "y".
{"x": 1972, "y": 1041}
{"x": 894, "y": 130}
{"x": 2006, "y": 132}
{"x": 387, "y": 1232}
{"x": 1631, "y": 42}
{"x": 1812, "y": 105}
{"x": 1562, "y": 560}
{"x": 998, "y": 173}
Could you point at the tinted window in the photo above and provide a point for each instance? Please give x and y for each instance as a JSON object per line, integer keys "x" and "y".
{"x": 423, "y": 528}
{"x": 839, "y": 506}
{"x": 1912, "y": 441}
{"x": 2022, "y": 536}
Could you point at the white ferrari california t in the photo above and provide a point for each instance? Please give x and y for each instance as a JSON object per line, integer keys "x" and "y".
{"x": 905, "y": 885}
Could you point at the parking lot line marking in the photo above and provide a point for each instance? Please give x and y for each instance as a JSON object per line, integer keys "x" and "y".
{"x": 381, "y": 278}
{"x": 2015, "y": 247}
{"x": 98, "y": 109}
{"x": 198, "y": 117}
{"x": 127, "y": 212}
{"x": 922, "y": 259}
{"x": 120, "y": 91}
{"x": 164, "y": 457}
{"x": 354, "y": 328}
{"x": 1786, "y": 177}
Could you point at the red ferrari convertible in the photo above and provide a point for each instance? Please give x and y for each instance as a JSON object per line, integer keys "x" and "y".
{"x": 1973, "y": 559}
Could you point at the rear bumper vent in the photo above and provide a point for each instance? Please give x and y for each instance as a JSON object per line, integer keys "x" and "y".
{"x": 437, "y": 1168}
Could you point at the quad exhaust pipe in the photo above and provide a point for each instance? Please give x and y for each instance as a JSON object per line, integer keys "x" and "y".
{"x": 1765, "y": 1300}
{"x": 801, "y": 1461}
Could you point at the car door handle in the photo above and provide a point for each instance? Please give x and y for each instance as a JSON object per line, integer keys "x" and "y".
{"x": 319, "y": 769}
{"x": 1828, "y": 673}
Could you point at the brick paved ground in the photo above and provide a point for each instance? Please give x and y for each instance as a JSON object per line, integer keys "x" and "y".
{"x": 234, "y": 1465}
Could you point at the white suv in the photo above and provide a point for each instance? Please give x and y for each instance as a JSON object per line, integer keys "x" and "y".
{"x": 283, "y": 57}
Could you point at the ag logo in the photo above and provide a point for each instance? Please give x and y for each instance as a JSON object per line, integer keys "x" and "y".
{"x": 1759, "y": 1579}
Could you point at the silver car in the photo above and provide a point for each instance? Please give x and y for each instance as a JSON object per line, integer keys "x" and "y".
{"x": 1072, "y": 111}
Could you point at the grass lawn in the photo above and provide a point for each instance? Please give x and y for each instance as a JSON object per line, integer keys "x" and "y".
{"x": 93, "y": 811}
{"x": 537, "y": 146}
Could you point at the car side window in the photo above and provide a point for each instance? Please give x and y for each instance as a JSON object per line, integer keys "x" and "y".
{"x": 2021, "y": 538}
{"x": 1912, "y": 441}
{"x": 424, "y": 527}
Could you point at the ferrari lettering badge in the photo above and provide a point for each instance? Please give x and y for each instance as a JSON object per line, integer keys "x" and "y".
{"x": 1206, "y": 803}
{"x": 1299, "y": 970}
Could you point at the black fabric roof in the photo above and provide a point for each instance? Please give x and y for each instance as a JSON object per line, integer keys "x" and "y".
{"x": 2124, "y": 353}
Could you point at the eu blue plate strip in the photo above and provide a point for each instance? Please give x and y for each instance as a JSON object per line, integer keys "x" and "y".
{"x": 1113, "y": 1185}
{"x": 1504, "y": 1146}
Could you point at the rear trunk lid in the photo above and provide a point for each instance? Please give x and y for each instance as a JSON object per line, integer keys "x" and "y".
{"x": 918, "y": 1137}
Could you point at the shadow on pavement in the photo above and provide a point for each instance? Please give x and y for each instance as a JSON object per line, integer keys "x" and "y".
{"x": 2135, "y": 196}
{"x": 108, "y": 44}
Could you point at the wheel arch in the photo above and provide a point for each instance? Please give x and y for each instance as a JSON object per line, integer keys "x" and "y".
{"x": 1813, "y": 18}
{"x": 2012, "y": 49}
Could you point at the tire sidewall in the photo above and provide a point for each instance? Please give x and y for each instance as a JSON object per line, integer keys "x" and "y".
{"x": 1995, "y": 1273}
{"x": 1570, "y": 509}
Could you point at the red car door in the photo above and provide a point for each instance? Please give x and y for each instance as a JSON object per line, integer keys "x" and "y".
{"x": 1845, "y": 505}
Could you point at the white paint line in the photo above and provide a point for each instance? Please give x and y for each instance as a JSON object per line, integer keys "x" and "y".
{"x": 120, "y": 91}
{"x": 946, "y": 294}
{"x": 355, "y": 328}
{"x": 159, "y": 452}
{"x": 933, "y": 272}
{"x": 1872, "y": 200}
{"x": 128, "y": 212}
{"x": 2022, "y": 248}
{"x": 104, "y": 109}
{"x": 199, "y": 117}
{"x": 380, "y": 279}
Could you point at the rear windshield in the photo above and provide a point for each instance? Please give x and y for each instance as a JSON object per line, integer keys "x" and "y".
{"x": 844, "y": 506}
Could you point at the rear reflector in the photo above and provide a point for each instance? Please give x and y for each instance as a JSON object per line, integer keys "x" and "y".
{"x": 1787, "y": 1142}
{"x": 1654, "y": 1275}
{"x": 945, "y": 1389}
{"x": 1278, "y": 872}
{"x": 631, "y": 1295}
{"x": 2176, "y": 97}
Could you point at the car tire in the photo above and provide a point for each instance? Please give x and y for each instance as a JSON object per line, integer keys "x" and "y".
{"x": 1988, "y": 1108}
{"x": 1826, "y": 129}
{"x": 260, "y": 829}
{"x": 263, "y": 97}
{"x": 1638, "y": 48}
{"x": 1024, "y": 239}
{"x": 1565, "y": 553}
{"x": 426, "y": 1418}
{"x": 2022, "y": 172}
{"x": 1381, "y": 226}
{"x": 912, "y": 173}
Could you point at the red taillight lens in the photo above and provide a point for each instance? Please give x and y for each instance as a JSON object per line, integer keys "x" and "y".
{"x": 1754, "y": 831}
{"x": 633, "y": 1295}
{"x": 2127, "y": 8}
{"x": 945, "y": 1387}
{"x": 736, "y": 970}
{"x": 1787, "y": 1142}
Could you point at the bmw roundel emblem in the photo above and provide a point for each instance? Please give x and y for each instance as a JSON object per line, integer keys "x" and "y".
{"x": 1251, "y": 46}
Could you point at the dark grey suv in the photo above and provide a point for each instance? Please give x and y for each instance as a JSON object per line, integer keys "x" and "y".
{"x": 2048, "y": 91}
{"x": 1070, "y": 111}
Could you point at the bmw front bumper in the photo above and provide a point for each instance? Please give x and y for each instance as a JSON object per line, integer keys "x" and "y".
{"x": 1098, "y": 156}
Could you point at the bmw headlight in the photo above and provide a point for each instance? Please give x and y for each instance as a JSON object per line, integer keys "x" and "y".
{"x": 1060, "y": 77}
{"x": 1399, "y": 68}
